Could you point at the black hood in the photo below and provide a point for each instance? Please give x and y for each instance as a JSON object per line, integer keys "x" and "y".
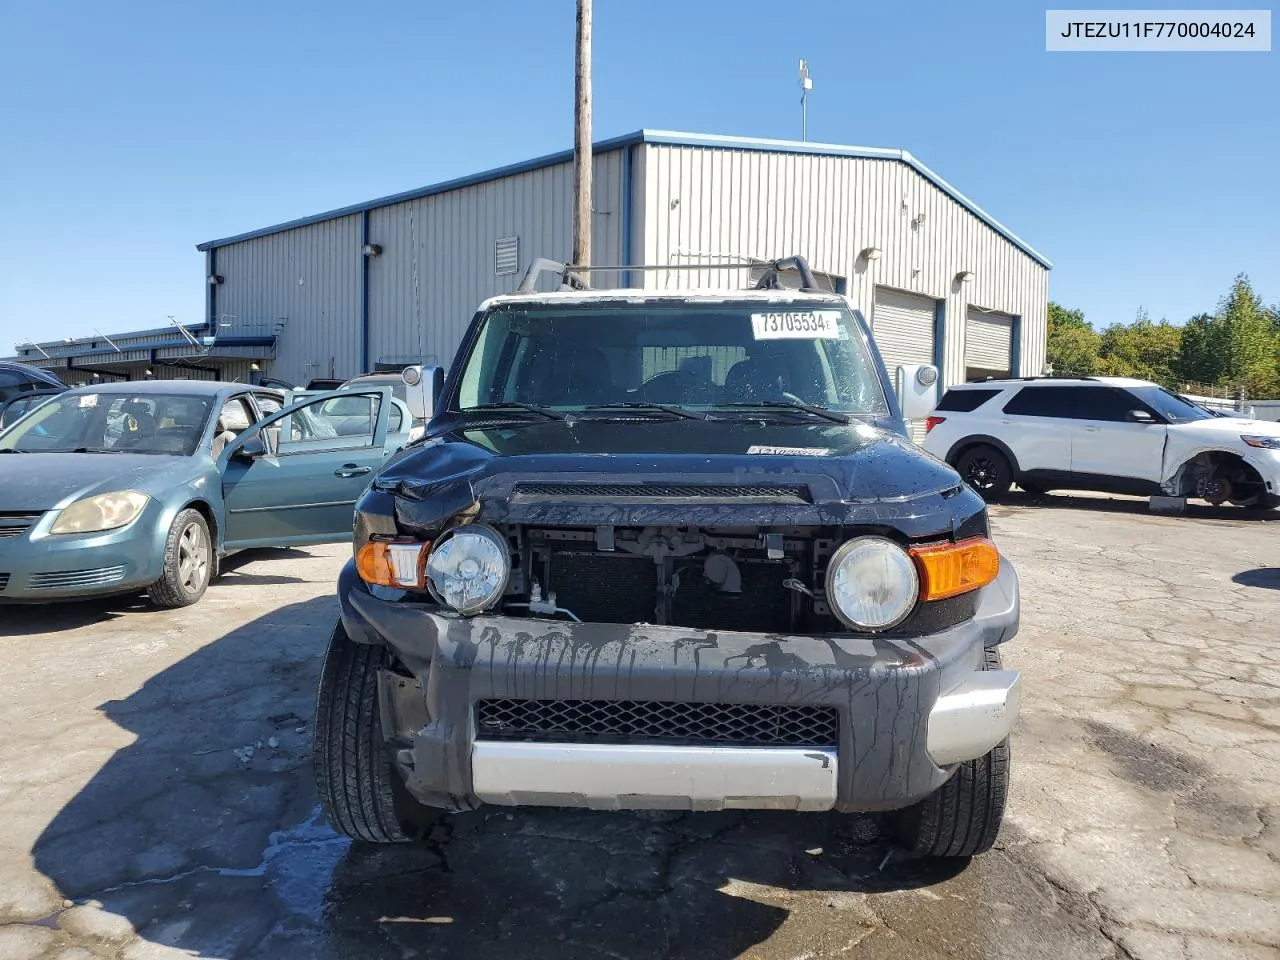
{"x": 854, "y": 473}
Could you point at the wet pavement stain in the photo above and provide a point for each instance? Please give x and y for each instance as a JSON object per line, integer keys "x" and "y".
{"x": 1146, "y": 764}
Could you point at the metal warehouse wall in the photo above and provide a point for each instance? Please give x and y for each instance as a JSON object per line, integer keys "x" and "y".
{"x": 437, "y": 260}
{"x": 311, "y": 277}
{"x": 829, "y": 208}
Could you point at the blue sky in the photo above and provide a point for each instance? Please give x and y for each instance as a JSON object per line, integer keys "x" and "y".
{"x": 132, "y": 131}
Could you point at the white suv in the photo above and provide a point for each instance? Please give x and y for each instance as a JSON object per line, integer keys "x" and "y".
{"x": 1110, "y": 434}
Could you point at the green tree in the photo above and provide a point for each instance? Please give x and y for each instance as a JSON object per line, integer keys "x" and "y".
{"x": 1072, "y": 344}
{"x": 1249, "y": 340}
{"x": 1150, "y": 351}
{"x": 1200, "y": 359}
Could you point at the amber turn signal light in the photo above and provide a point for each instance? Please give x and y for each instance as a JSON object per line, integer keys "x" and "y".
{"x": 950, "y": 569}
{"x": 401, "y": 564}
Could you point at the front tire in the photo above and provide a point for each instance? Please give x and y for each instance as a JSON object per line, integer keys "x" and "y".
{"x": 986, "y": 470}
{"x": 962, "y": 817}
{"x": 188, "y": 562}
{"x": 359, "y": 789}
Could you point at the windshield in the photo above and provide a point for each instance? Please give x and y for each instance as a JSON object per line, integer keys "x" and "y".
{"x": 1169, "y": 405}
{"x": 693, "y": 355}
{"x": 112, "y": 422}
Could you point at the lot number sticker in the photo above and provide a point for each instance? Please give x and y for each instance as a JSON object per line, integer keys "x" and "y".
{"x": 796, "y": 325}
{"x": 789, "y": 451}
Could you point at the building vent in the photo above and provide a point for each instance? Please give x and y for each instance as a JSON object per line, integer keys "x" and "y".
{"x": 506, "y": 256}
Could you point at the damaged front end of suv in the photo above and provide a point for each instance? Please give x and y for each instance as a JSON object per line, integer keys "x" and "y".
{"x": 669, "y": 552}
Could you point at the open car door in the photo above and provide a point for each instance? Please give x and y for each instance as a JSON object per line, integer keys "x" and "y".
{"x": 294, "y": 477}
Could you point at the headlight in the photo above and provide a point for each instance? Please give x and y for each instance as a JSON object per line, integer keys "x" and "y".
{"x": 107, "y": 511}
{"x": 468, "y": 570}
{"x": 872, "y": 583}
{"x": 1266, "y": 443}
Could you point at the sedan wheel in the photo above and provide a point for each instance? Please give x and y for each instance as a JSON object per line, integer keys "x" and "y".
{"x": 188, "y": 561}
{"x": 193, "y": 558}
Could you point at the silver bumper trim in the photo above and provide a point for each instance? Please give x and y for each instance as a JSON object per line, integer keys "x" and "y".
{"x": 970, "y": 719}
{"x": 637, "y": 777}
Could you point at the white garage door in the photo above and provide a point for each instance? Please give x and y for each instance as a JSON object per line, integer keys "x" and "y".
{"x": 988, "y": 345}
{"x": 903, "y": 328}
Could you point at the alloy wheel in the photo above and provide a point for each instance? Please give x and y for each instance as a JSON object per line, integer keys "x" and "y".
{"x": 193, "y": 558}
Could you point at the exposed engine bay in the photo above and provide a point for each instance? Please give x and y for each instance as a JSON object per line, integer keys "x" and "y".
{"x": 716, "y": 578}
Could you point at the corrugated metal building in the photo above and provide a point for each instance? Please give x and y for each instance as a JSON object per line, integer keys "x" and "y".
{"x": 398, "y": 279}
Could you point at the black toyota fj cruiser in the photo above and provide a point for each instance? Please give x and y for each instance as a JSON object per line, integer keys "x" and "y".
{"x": 672, "y": 551}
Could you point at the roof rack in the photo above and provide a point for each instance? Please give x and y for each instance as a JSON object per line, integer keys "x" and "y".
{"x": 571, "y": 279}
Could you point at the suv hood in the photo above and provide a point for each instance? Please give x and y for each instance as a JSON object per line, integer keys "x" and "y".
{"x": 43, "y": 481}
{"x": 1227, "y": 428}
{"x": 853, "y": 473}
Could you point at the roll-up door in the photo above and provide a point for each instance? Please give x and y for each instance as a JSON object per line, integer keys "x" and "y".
{"x": 988, "y": 345}
{"x": 903, "y": 327}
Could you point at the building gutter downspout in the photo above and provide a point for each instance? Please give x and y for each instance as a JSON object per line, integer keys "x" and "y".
{"x": 364, "y": 293}
{"x": 628, "y": 198}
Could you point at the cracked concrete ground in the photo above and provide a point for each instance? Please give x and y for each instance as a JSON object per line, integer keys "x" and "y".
{"x": 155, "y": 794}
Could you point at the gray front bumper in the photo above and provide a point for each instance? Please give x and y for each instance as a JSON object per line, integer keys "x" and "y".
{"x": 909, "y": 708}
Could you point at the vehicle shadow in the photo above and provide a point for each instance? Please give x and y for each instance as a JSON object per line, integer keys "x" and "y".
{"x": 23, "y": 619}
{"x": 1266, "y": 578}
{"x": 204, "y": 834}
{"x": 1102, "y": 503}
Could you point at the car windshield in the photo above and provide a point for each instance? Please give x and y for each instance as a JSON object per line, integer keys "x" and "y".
{"x": 112, "y": 423}
{"x": 1169, "y": 405}
{"x": 692, "y": 355}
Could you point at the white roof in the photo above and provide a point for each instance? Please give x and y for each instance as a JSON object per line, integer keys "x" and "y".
{"x": 1056, "y": 382}
{"x": 638, "y": 295}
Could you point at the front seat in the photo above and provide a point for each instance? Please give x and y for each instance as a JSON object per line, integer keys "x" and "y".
{"x": 232, "y": 421}
{"x": 756, "y": 378}
{"x": 577, "y": 377}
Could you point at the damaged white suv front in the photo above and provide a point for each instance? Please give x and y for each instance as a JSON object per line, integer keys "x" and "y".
{"x": 1109, "y": 434}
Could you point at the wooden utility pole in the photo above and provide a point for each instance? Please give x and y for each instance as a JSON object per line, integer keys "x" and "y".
{"x": 582, "y": 138}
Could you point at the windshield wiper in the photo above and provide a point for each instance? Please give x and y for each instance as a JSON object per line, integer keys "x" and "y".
{"x": 11, "y": 450}
{"x": 516, "y": 405}
{"x": 675, "y": 411}
{"x": 94, "y": 450}
{"x": 793, "y": 405}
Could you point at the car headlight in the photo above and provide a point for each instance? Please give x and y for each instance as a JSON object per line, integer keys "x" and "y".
{"x": 1266, "y": 443}
{"x": 872, "y": 583}
{"x": 468, "y": 569}
{"x": 107, "y": 511}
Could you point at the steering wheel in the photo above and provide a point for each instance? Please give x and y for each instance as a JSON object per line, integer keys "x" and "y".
{"x": 670, "y": 386}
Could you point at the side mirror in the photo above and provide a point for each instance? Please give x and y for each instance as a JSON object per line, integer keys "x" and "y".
{"x": 917, "y": 387}
{"x": 434, "y": 378}
{"x": 1139, "y": 416}
{"x": 252, "y": 448}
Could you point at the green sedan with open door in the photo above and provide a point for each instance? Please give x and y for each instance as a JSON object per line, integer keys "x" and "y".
{"x": 128, "y": 487}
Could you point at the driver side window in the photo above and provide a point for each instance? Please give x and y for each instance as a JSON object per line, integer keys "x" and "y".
{"x": 336, "y": 423}
{"x": 234, "y": 418}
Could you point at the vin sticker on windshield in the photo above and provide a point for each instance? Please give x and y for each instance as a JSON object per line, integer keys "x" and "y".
{"x": 796, "y": 325}
{"x": 790, "y": 451}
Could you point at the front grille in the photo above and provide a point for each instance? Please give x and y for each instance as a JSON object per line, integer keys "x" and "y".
{"x": 605, "y": 587}
{"x": 652, "y": 721}
{"x": 763, "y": 606}
{"x": 621, "y": 588}
{"x": 97, "y": 577}
{"x": 684, "y": 492}
{"x": 16, "y": 523}
{"x": 4, "y": 581}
